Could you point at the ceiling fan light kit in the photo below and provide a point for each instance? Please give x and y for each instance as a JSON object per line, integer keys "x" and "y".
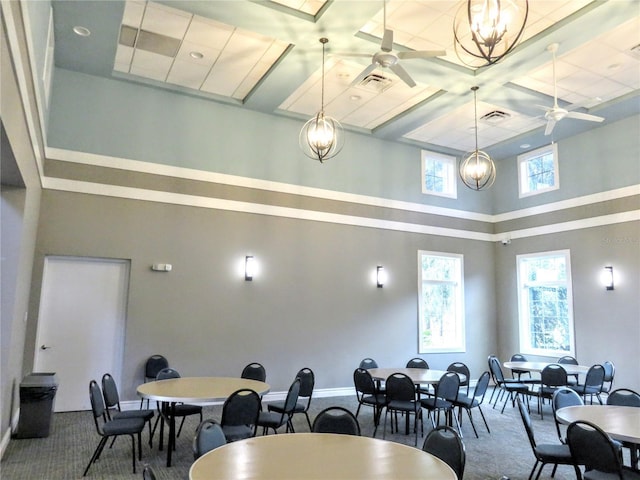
{"x": 485, "y": 31}
{"x": 322, "y": 137}
{"x": 477, "y": 170}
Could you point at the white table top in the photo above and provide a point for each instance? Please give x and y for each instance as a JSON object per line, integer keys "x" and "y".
{"x": 539, "y": 366}
{"x": 418, "y": 375}
{"x": 306, "y": 456}
{"x": 198, "y": 389}
{"x": 621, "y": 423}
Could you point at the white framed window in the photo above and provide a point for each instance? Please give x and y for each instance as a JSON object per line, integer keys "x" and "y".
{"x": 439, "y": 174}
{"x": 545, "y": 304}
{"x": 538, "y": 171}
{"x": 440, "y": 302}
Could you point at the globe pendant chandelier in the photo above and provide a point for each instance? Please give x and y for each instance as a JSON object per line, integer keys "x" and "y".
{"x": 322, "y": 137}
{"x": 487, "y": 30}
{"x": 477, "y": 170}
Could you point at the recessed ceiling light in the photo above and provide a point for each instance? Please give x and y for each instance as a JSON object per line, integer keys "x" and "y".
{"x": 525, "y": 145}
{"x": 196, "y": 55}
{"x": 355, "y": 98}
{"x": 82, "y": 31}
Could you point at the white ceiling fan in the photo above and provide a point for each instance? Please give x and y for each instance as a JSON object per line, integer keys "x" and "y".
{"x": 556, "y": 113}
{"x": 386, "y": 58}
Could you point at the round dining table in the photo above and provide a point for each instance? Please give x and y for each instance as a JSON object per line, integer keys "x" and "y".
{"x": 309, "y": 456}
{"x": 418, "y": 375}
{"x": 193, "y": 390}
{"x": 539, "y": 366}
{"x": 621, "y": 423}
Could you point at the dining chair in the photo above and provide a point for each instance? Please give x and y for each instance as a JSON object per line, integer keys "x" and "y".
{"x": 552, "y": 377}
{"x": 336, "y": 420}
{"x": 240, "y": 412}
{"x": 626, "y": 397}
{"x": 113, "y": 409}
{"x": 569, "y": 360}
{"x": 446, "y": 393}
{"x": 592, "y": 447}
{"x": 510, "y": 386}
{"x": 368, "y": 363}
{"x": 445, "y": 443}
{"x": 515, "y": 373}
{"x": 547, "y": 453}
{"x": 401, "y": 397}
{"x": 181, "y": 410}
{"x": 209, "y": 435}
{"x": 112, "y": 428}
{"x": 474, "y": 401}
{"x": 592, "y": 384}
{"x": 462, "y": 369}
{"x": 418, "y": 362}
{"x": 563, "y": 397}
{"x": 609, "y": 375}
{"x": 367, "y": 394}
{"x": 152, "y": 367}
{"x": 307, "y": 383}
{"x": 254, "y": 371}
{"x": 274, "y": 420}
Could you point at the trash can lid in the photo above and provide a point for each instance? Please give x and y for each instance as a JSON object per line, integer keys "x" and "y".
{"x": 40, "y": 379}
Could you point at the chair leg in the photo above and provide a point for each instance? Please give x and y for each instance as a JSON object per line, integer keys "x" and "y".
{"x": 309, "y": 421}
{"x": 96, "y": 454}
{"x": 533, "y": 470}
{"x": 471, "y": 420}
{"x": 133, "y": 452}
{"x": 484, "y": 419}
{"x": 180, "y": 429}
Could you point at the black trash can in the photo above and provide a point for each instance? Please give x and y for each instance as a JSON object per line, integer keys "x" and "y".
{"x": 37, "y": 393}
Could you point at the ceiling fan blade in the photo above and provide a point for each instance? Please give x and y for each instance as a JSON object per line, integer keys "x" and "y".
{"x": 387, "y": 41}
{"x": 421, "y": 54}
{"x": 542, "y": 107}
{"x": 402, "y": 73}
{"x": 363, "y": 74}
{"x": 550, "y": 124}
{"x": 351, "y": 54}
{"x": 584, "y": 116}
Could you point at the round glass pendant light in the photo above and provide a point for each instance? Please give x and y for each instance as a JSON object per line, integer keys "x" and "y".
{"x": 322, "y": 137}
{"x": 477, "y": 170}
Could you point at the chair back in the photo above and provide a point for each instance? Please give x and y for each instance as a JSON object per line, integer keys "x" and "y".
{"x": 167, "y": 373}
{"x": 609, "y": 374}
{"x": 148, "y": 473}
{"x": 526, "y": 420}
{"x": 461, "y": 368}
{"x": 448, "y": 386}
{"x": 445, "y": 443}
{"x": 518, "y": 357}
{"x": 209, "y": 435}
{"x": 110, "y": 393}
{"x": 496, "y": 369}
{"x": 336, "y": 420}
{"x": 363, "y": 382}
{"x": 367, "y": 363}
{"x": 481, "y": 387}
{"x": 563, "y": 397}
{"x": 595, "y": 376}
{"x": 593, "y": 448}
{"x": 254, "y": 371}
{"x": 307, "y": 382}
{"x": 292, "y": 397}
{"x": 553, "y": 375}
{"x": 242, "y": 407}
{"x": 97, "y": 405}
{"x": 567, "y": 360}
{"x": 400, "y": 387}
{"x": 417, "y": 362}
{"x": 624, "y": 397}
{"x": 153, "y": 365}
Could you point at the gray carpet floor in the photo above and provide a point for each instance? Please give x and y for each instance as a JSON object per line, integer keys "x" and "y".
{"x": 64, "y": 454}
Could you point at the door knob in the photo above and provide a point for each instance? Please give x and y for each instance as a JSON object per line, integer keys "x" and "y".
{"x": 44, "y": 347}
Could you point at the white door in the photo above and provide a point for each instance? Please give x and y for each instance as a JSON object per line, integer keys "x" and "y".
{"x": 81, "y": 324}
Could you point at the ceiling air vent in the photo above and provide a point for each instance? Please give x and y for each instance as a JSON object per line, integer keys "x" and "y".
{"x": 494, "y": 117}
{"x": 375, "y": 83}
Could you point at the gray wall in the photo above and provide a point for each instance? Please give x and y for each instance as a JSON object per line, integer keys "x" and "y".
{"x": 313, "y": 304}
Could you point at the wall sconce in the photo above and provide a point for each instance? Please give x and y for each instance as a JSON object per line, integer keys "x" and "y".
{"x": 381, "y": 276}
{"x": 607, "y": 277}
{"x": 249, "y": 267}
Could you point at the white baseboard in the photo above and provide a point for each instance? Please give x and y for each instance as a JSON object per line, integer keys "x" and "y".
{"x": 6, "y": 436}
{"x": 269, "y": 397}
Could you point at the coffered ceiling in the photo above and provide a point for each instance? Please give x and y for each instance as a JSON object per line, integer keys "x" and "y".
{"x": 266, "y": 56}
